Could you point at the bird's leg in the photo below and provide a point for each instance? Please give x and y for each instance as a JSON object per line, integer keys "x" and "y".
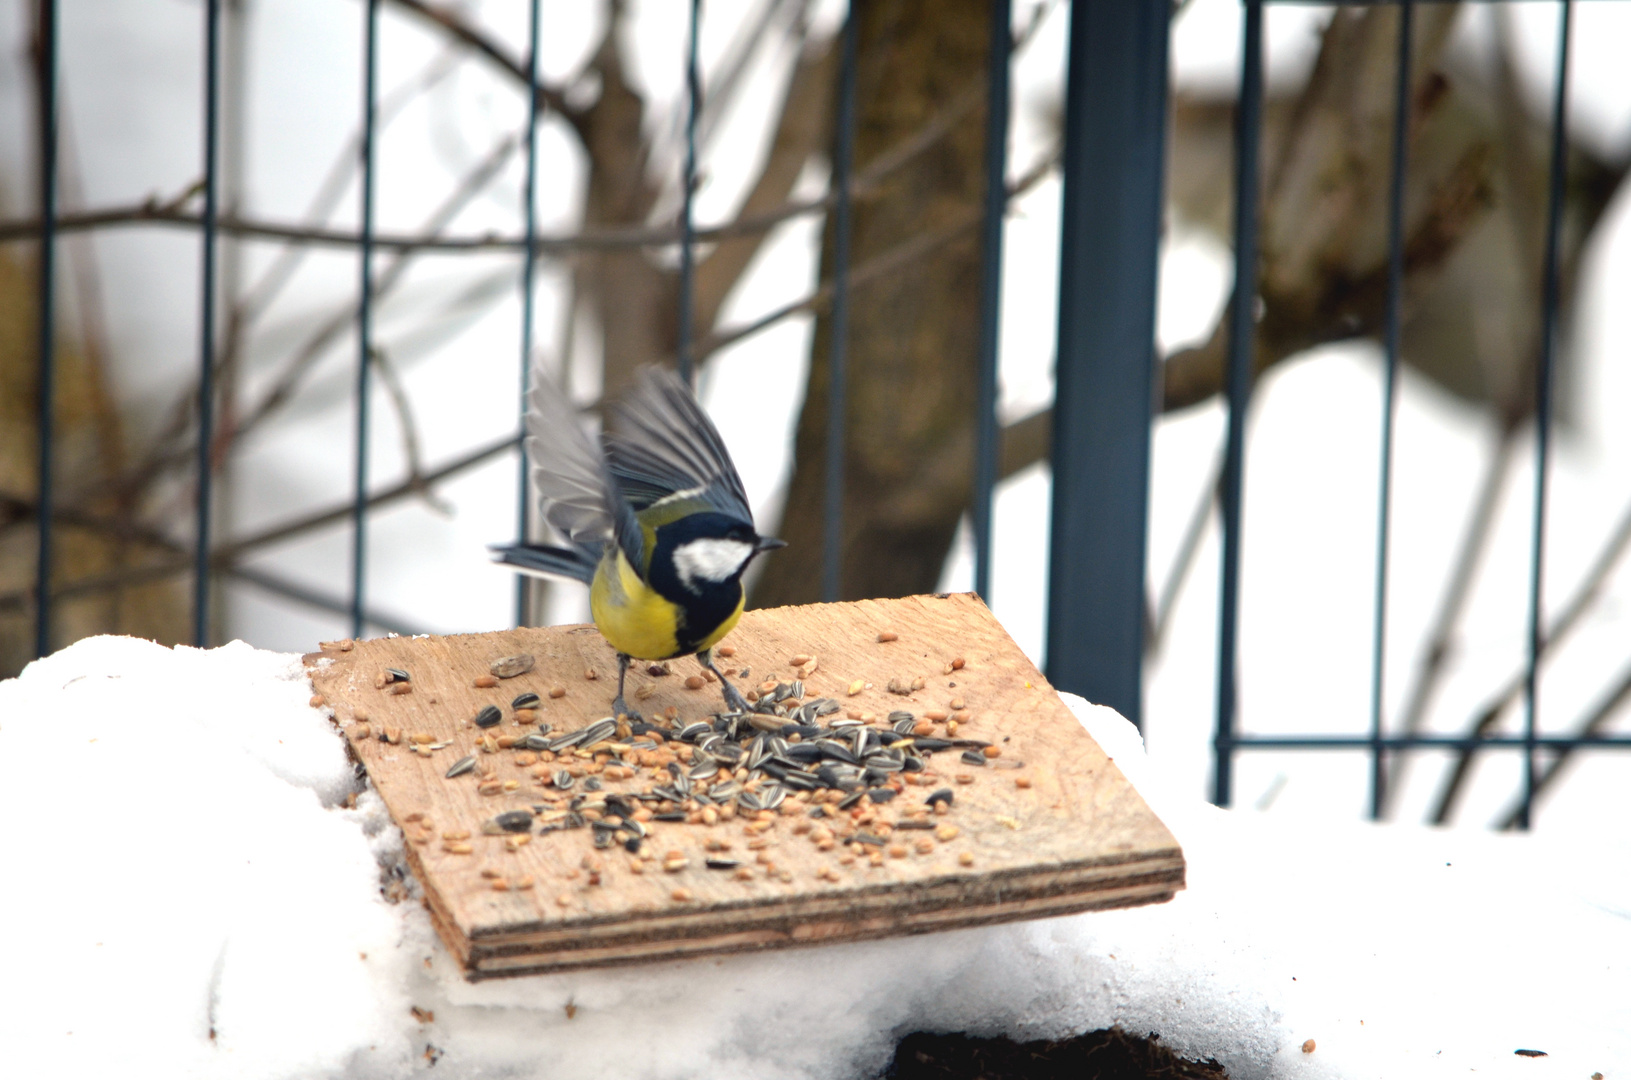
{"x": 734, "y": 701}
{"x": 619, "y": 706}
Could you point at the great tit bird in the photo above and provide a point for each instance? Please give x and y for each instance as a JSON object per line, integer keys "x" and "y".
{"x": 655, "y": 518}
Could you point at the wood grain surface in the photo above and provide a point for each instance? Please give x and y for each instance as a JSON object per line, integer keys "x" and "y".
{"x": 1046, "y": 826}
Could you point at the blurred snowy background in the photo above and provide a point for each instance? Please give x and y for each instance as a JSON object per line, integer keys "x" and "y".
{"x": 448, "y": 325}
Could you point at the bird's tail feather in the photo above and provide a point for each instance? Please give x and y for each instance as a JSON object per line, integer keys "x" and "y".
{"x": 542, "y": 561}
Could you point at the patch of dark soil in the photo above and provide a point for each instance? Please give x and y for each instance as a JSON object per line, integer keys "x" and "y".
{"x": 1112, "y": 1054}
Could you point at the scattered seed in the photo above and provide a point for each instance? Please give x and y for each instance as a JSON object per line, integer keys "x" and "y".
{"x": 395, "y": 675}
{"x": 563, "y": 779}
{"x": 897, "y": 851}
{"x": 456, "y": 834}
{"x": 636, "y": 866}
{"x": 958, "y": 664}
{"x": 457, "y": 848}
{"x": 856, "y": 687}
{"x": 888, "y": 635}
{"x": 973, "y": 757}
{"x": 919, "y": 683}
{"x": 462, "y": 766}
{"x": 485, "y": 682}
{"x": 726, "y": 650}
{"x": 557, "y": 691}
{"x": 924, "y": 846}
{"x": 717, "y": 863}
{"x": 965, "y": 858}
{"x": 516, "y": 843}
{"x": 957, "y": 703}
{"x": 516, "y": 821}
{"x": 591, "y": 674}
{"x": 674, "y": 865}
{"x": 1022, "y": 781}
{"x": 944, "y": 795}
{"x": 946, "y": 831}
{"x": 524, "y": 882}
{"x": 681, "y": 895}
{"x": 528, "y": 700}
{"x": 399, "y": 688}
{"x": 899, "y": 686}
{"x": 992, "y": 751}
{"x": 965, "y": 778}
{"x": 488, "y": 717}
{"x": 489, "y": 787}
{"x": 364, "y": 731}
{"x": 509, "y": 667}
{"x": 695, "y": 682}
{"x": 391, "y": 735}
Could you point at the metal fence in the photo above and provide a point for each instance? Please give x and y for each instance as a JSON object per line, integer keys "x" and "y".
{"x": 1115, "y": 133}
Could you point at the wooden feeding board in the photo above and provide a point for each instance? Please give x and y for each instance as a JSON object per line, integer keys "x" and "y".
{"x": 531, "y": 854}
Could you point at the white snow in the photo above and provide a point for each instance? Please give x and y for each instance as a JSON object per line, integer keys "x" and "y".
{"x": 180, "y": 861}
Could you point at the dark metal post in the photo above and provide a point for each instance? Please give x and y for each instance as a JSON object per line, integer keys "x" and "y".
{"x": 693, "y": 95}
{"x": 365, "y": 319}
{"x": 1115, "y": 128}
{"x": 44, "y": 501}
{"x": 1543, "y": 403}
{"x": 832, "y": 533}
{"x": 524, "y": 586}
{"x": 996, "y": 205}
{"x": 206, "y": 325}
{"x": 1395, "y": 294}
{"x": 1242, "y": 348}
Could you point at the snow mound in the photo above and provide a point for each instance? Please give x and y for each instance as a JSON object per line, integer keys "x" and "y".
{"x": 189, "y": 896}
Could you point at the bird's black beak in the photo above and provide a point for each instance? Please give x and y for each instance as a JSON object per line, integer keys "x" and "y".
{"x": 769, "y": 543}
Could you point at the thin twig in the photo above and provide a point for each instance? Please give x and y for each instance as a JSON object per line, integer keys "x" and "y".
{"x": 1430, "y": 664}
{"x": 886, "y": 262}
{"x": 1595, "y": 720}
{"x": 223, "y": 559}
{"x": 1485, "y": 720}
{"x": 1160, "y": 616}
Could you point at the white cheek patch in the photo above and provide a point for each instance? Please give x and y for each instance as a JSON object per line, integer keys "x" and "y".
{"x": 712, "y": 560}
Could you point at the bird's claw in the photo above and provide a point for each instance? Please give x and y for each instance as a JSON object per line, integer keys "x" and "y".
{"x": 621, "y": 710}
{"x": 734, "y": 700}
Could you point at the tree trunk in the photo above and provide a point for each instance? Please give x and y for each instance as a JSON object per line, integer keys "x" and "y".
{"x": 912, "y": 340}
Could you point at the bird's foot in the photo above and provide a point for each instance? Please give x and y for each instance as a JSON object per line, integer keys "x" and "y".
{"x": 734, "y": 701}
{"x": 621, "y": 710}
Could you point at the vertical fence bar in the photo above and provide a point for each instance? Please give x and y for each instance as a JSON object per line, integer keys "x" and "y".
{"x": 524, "y": 584}
{"x": 1543, "y": 402}
{"x": 693, "y": 95}
{"x": 1104, "y": 399}
{"x": 1242, "y": 347}
{"x": 1395, "y": 293}
{"x": 832, "y": 534}
{"x": 206, "y": 325}
{"x": 44, "y": 501}
{"x": 365, "y": 318}
{"x": 996, "y": 204}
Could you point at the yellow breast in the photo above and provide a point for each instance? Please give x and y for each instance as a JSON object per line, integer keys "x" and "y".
{"x": 638, "y": 620}
{"x": 633, "y": 616}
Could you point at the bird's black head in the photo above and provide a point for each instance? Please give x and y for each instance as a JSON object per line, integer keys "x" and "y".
{"x": 707, "y": 550}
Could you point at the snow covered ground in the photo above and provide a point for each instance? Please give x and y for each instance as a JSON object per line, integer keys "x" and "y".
{"x": 187, "y": 896}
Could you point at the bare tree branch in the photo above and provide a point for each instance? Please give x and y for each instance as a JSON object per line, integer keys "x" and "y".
{"x": 1585, "y": 595}
{"x": 448, "y": 21}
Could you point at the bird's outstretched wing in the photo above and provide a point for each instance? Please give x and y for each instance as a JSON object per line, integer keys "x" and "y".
{"x": 576, "y": 494}
{"x": 659, "y": 442}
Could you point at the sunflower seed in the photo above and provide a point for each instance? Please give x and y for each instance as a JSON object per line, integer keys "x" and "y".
{"x": 749, "y": 800}
{"x": 567, "y": 741}
{"x": 881, "y": 794}
{"x": 721, "y": 793}
{"x": 563, "y": 779}
{"x": 510, "y": 666}
{"x": 922, "y": 825}
{"x": 943, "y": 795}
{"x": 529, "y": 700}
{"x": 850, "y": 800}
{"x": 904, "y": 724}
{"x": 592, "y": 784}
{"x": 393, "y": 675}
{"x": 514, "y": 821}
{"x": 703, "y": 769}
{"x": 671, "y": 816}
{"x": 462, "y": 766}
{"x": 973, "y": 757}
{"x": 692, "y": 732}
{"x": 489, "y": 717}
{"x": 714, "y": 863}
{"x": 772, "y": 796}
